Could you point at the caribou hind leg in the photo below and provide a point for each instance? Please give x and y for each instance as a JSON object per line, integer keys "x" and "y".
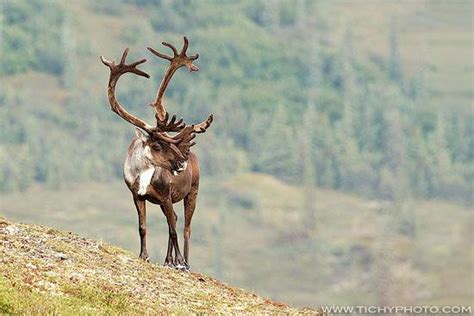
{"x": 141, "y": 210}
{"x": 171, "y": 218}
{"x": 169, "y": 253}
{"x": 189, "y": 207}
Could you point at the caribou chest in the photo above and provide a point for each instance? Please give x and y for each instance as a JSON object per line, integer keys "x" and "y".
{"x": 137, "y": 166}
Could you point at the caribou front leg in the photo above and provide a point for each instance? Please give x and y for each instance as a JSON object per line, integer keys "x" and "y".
{"x": 141, "y": 210}
{"x": 171, "y": 218}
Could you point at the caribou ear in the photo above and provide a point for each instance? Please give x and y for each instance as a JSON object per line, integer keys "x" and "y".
{"x": 140, "y": 134}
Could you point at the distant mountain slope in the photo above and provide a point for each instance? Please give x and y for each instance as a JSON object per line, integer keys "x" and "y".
{"x": 385, "y": 90}
{"x": 44, "y": 270}
{"x": 435, "y": 37}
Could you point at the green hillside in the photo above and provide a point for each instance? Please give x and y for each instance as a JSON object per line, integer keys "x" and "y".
{"x": 356, "y": 97}
{"x": 435, "y": 39}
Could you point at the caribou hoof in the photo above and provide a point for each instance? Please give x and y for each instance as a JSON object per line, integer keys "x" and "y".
{"x": 144, "y": 257}
{"x": 182, "y": 267}
{"x": 168, "y": 264}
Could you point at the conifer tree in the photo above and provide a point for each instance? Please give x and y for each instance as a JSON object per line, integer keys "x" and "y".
{"x": 69, "y": 47}
{"x": 349, "y": 86}
{"x": 394, "y": 61}
{"x": 270, "y": 14}
{"x": 273, "y": 146}
{"x": 307, "y": 158}
{"x": 301, "y": 14}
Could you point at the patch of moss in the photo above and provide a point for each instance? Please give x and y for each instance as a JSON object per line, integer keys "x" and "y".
{"x": 6, "y": 306}
{"x": 101, "y": 297}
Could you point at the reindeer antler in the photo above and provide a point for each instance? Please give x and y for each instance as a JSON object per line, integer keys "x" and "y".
{"x": 185, "y": 140}
{"x": 185, "y": 133}
{"x": 115, "y": 72}
{"x": 178, "y": 60}
{"x": 203, "y": 126}
{"x": 170, "y": 126}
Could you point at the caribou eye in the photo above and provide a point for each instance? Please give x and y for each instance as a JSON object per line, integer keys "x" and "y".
{"x": 156, "y": 146}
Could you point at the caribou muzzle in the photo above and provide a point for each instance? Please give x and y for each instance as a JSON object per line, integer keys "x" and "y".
{"x": 179, "y": 167}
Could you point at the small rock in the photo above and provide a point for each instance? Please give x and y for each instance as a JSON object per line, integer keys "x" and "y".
{"x": 11, "y": 230}
{"x": 51, "y": 274}
{"x": 60, "y": 256}
{"x": 50, "y": 288}
{"x": 75, "y": 276}
{"x": 31, "y": 266}
{"x": 124, "y": 258}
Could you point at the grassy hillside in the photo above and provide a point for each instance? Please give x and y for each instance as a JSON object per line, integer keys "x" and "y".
{"x": 46, "y": 271}
{"x": 251, "y": 230}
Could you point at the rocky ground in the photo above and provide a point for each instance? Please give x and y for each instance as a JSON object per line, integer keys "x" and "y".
{"x": 44, "y": 270}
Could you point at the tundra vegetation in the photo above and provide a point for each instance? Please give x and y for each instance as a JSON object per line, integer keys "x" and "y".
{"x": 47, "y": 271}
{"x": 340, "y": 165}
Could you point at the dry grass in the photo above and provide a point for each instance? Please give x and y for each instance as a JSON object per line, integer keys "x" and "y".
{"x": 44, "y": 270}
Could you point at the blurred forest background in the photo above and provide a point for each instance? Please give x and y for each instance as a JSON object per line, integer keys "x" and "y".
{"x": 339, "y": 169}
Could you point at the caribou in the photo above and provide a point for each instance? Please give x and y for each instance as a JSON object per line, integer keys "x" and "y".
{"x": 159, "y": 166}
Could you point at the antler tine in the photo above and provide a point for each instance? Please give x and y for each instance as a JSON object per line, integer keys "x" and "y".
{"x": 122, "y": 68}
{"x": 106, "y": 62}
{"x": 179, "y": 124}
{"x": 194, "y": 57}
{"x": 175, "y": 52}
{"x": 170, "y": 126}
{"x": 185, "y": 46}
{"x": 185, "y": 138}
{"x": 164, "y": 56}
{"x": 165, "y": 138}
{"x": 187, "y": 133}
{"x": 203, "y": 126}
{"x": 138, "y": 62}
{"x": 124, "y": 56}
{"x": 180, "y": 139}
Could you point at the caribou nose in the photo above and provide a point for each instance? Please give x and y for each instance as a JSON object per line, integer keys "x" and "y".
{"x": 182, "y": 166}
